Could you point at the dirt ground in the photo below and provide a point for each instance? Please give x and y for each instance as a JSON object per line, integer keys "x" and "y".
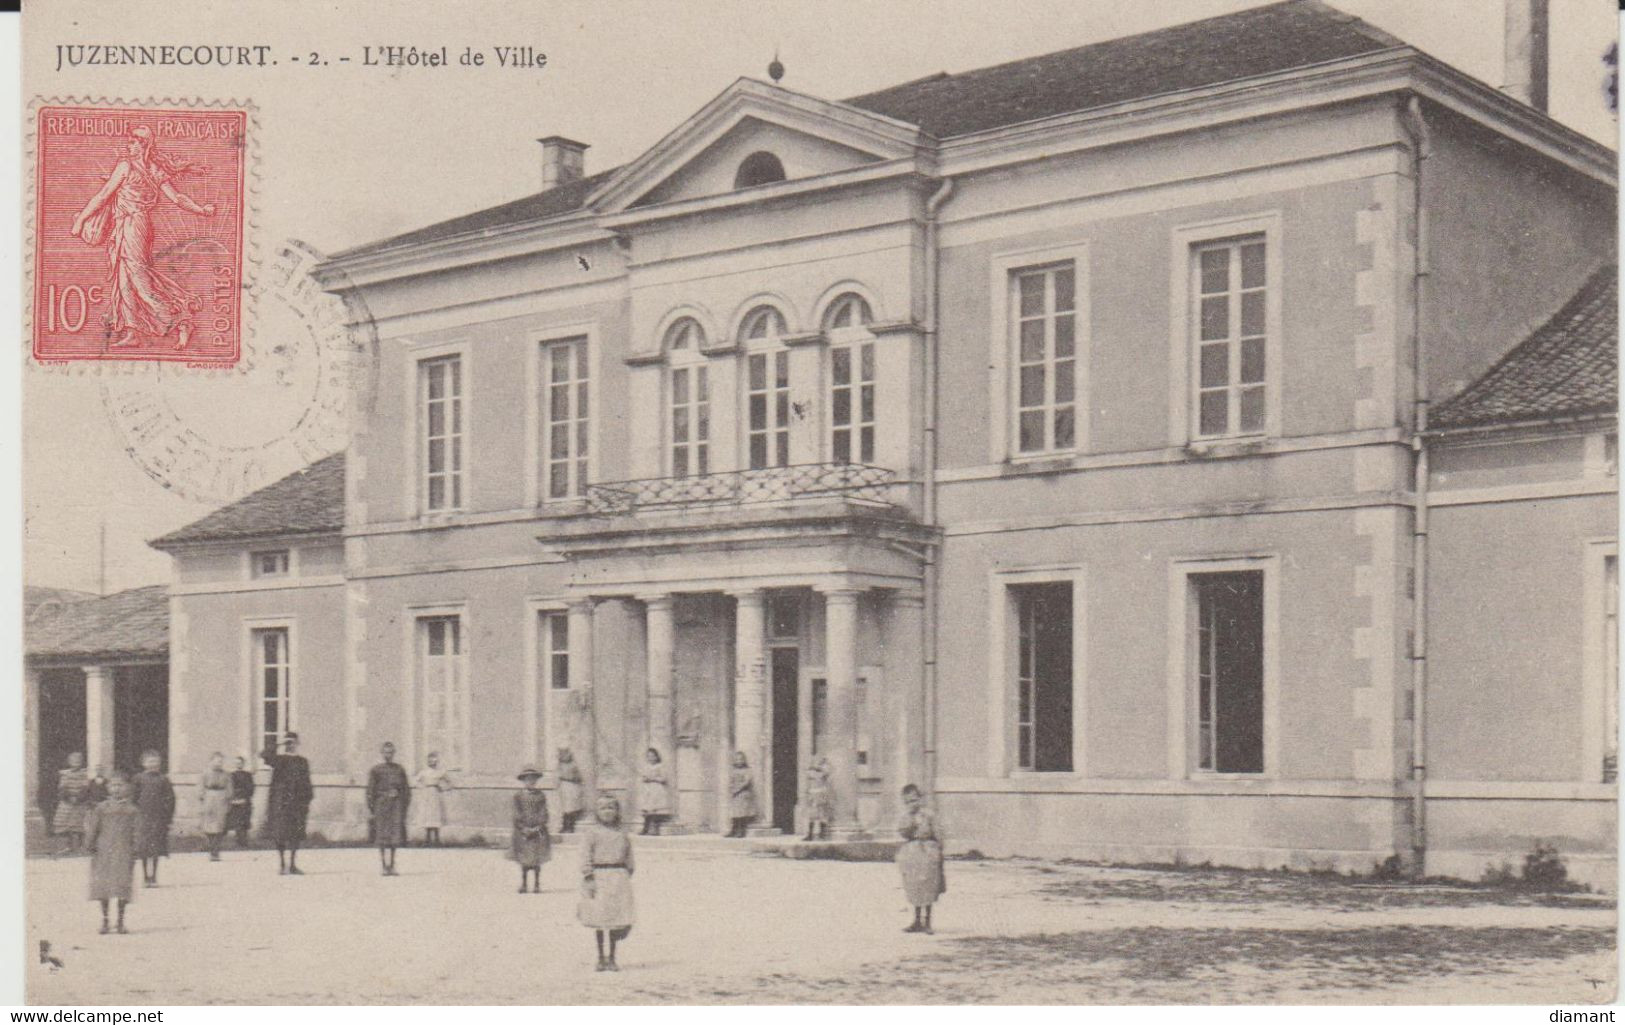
{"x": 717, "y": 925}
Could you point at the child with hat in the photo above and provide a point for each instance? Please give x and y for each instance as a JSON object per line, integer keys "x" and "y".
{"x": 606, "y": 880}
{"x": 531, "y": 844}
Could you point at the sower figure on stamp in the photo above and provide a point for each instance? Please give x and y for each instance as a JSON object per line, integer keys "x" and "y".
{"x": 291, "y": 793}
{"x": 214, "y": 800}
{"x": 388, "y": 796}
{"x": 144, "y": 300}
{"x": 435, "y": 783}
{"x": 154, "y": 797}
{"x": 531, "y": 844}
{"x": 240, "y": 806}
{"x": 606, "y": 881}
{"x": 110, "y": 836}
{"x": 570, "y": 806}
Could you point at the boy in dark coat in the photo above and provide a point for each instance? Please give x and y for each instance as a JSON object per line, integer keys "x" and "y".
{"x": 154, "y": 798}
{"x": 388, "y": 796}
{"x": 289, "y": 804}
{"x": 240, "y": 806}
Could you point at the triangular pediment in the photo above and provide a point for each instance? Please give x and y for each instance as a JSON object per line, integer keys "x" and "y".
{"x": 808, "y": 136}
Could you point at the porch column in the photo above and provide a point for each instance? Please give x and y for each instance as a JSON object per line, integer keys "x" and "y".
{"x": 750, "y": 676}
{"x": 841, "y": 664}
{"x": 99, "y": 716}
{"x": 584, "y": 734}
{"x": 31, "y": 681}
{"x": 658, "y": 627}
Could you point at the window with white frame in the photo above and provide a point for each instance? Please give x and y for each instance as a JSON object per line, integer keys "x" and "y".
{"x": 851, "y": 380}
{"x": 553, "y": 643}
{"x": 1044, "y": 677}
{"x": 1229, "y": 670}
{"x": 271, "y": 563}
{"x": 689, "y": 399}
{"x": 1229, "y": 328}
{"x": 443, "y": 689}
{"x": 565, "y": 412}
{"x": 1044, "y": 328}
{"x": 273, "y": 669}
{"x": 441, "y": 399}
{"x": 767, "y": 384}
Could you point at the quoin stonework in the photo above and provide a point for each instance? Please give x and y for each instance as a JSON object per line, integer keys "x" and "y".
{"x": 1193, "y": 446}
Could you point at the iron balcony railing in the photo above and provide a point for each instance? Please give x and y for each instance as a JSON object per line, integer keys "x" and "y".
{"x": 741, "y": 487}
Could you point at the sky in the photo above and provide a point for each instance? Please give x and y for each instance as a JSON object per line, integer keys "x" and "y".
{"x": 351, "y": 154}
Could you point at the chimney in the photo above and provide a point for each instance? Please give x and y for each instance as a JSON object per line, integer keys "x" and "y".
{"x": 563, "y": 161}
{"x": 1526, "y": 51}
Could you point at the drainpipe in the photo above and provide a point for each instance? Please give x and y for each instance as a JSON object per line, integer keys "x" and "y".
{"x": 928, "y": 583}
{"x": 1421, "y": 145}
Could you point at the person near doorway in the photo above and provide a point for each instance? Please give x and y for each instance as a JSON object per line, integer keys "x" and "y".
{"x": 741, "y": 795}
{"x": 820, "y": 799}
{"x": 606, "y": 880}
{"x": 289, "y": 803}
{"x": 530, "y": 844}
{"x": 154, "y": 797}
{"x": 240, "y": 805}
{"x": 570, "y": 790}
{"x": 435, "y": 783}
{"x": 389, "y": 796}
{"x": 68, "y": 820}
{"x": 654, "y": 796}
{"x": 110, "y": 836}
{"x": 919, "y": 860}
{"x": 214, "y": 803}
{"x": 96, "y": 791}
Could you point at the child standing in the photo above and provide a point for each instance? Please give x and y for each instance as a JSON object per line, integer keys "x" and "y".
{"x": 69, "y": 817}
{"x": 820, "y": 799}
{"x": 240, "y": 806}
{"x": 110, "y": 836}
{"x": 531, "y": 843}
{"x": 741, "y": 795}
{"x": 606, "y": 880}
{"x": 435, "y": 783}
{"x": 569, "y": 790}
{"x": 154, "y": 797}
{"x": 388, "y": 797}
{"x": 654, "y": 796}
{"x": 919, "y": 860}
{"x": 214, "y": 794}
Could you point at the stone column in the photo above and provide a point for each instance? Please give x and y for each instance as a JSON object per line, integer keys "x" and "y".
{"x": 750, "y": 701}
{"x": 841, "y": 664}
{"x": 583, "y": 729}
{"x": 658, "y": 627}
{"x": 99, "y": 716}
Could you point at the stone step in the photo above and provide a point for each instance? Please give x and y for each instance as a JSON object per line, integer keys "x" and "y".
{"x": 874, "y": 849}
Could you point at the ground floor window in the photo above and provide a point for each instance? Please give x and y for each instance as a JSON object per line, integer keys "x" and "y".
{"x": 272, "y": 679}
{"x": 443, "y": 689}
{"x": 553, "y": 641}
{"x": 1043, "y": 676}
{"x": 1229, "y": 641}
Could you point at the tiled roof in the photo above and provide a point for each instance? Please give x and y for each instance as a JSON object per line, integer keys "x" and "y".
{"x": 1568, "y": 367}
{"x": 128, "y": 624}
{"x": 34, "y": 596}
{"x": 1277, "y": 37}
{"x": 310, "y": 501}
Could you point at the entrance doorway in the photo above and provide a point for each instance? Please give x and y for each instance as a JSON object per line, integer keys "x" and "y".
{"x": 61, "y": 729}
{"x": 786, "y": 678}
{"x": 141, "y": 717}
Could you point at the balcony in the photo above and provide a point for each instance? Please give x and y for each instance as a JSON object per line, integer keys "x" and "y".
{"x": 853, "y": 481}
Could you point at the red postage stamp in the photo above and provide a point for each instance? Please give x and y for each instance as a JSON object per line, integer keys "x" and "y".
{"x": 138, "y": 234}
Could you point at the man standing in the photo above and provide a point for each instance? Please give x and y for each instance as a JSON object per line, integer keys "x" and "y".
{"x": 289, "y": 802}
{"x": 388, "y": 794}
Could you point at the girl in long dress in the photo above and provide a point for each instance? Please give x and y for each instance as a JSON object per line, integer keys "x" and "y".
{"x": 654, "y": 795}
{"x": 434, "y": 783}
{"x": 532, "y": 847}
{"x": 570, "y": 790}
{"x": 154, "y": 797}
{"x": 68, "y": 820}
{"x": 919, "y": 860}
{"x": 143, "y": 300}
{"x": 820, "y": 799}
{"x": 214, "y": 798}
{"x": 110, "y": 836}
{"x": 606, "y": 881}
{"x": 741, "y": 795}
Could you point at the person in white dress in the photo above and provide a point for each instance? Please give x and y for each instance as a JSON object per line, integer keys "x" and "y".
{"x": 433, "y": 784}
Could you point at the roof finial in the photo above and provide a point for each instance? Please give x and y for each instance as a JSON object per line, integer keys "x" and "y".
{"x": 775, "y": 70}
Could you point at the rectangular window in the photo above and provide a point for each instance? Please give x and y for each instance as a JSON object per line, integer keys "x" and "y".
{"x": 1229, "y": 337}
{"x": 1043, "y": 676}
{"x": 1046, "y": 359}
{"x": 768, "y": 408}
{"x": 269, "y": 564}
{"x": 553, "y": 641}
{"x": 860, "y": 701}
{"x": 272, "y": 668}
{"x": 565, "y": 414}
{"x": 441, "y": 398}
{"x": 690, "y": 421}
{"x": 820, "y": 715}
{"x": 1229, "y": 640}
{"x": 443, "y": 689}
{"x": 1610, "y": 665}
{"x": 852, "y": 403}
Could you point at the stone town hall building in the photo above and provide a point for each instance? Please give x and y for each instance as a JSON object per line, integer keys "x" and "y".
{"x": 1197, "y": 444}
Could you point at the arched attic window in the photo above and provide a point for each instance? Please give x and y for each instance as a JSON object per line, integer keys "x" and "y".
{"x": 685, "y": 335}
{"x": 760, "y": 168}
{"x": 849, "y": 310}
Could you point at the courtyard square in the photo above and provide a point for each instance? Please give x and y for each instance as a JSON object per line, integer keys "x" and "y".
{"x": 718, "y": 925}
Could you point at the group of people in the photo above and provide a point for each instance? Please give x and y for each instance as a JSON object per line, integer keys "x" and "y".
{"x": 118, "y": 819}
{"x": 654, "y": 796}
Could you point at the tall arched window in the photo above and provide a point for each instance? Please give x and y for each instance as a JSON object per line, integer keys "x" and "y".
{"x": 767, "y": 388}
{"x": 689, "y": 397}
{"x": 851, "y": 380}
{"x": 760, "y": 168}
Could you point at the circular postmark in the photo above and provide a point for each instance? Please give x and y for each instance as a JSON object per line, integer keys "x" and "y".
{"x": 213, "y": 436}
